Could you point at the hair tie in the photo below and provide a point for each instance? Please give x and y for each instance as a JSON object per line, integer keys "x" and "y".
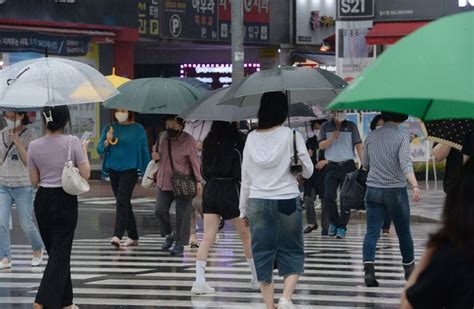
{"x": 47, "y": 118}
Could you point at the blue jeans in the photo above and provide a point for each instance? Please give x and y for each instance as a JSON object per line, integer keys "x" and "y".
{"x": 276, "y": 228}
{"x": 23, "y": 198}
{"x": 394, "y": 201}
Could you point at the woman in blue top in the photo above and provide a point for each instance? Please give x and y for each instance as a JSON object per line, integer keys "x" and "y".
{"x": 126, "y": 155}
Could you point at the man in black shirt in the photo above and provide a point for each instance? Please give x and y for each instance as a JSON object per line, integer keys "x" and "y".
{"x": 314, "y": 186}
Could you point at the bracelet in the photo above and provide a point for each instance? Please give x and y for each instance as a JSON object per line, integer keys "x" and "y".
{"x": 415, "y": 187}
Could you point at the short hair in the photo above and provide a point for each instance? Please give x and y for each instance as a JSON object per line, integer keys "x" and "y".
{"x": 55, "y": 118}
{"x": 273, "y": 110}
{"x": 131, "y": 116}
{"x": 394, "y": 117}
{"x": 375, "y": 120}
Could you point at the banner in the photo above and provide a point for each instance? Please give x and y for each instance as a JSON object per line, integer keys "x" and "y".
{"x": 315, "y": 21}
{"x": 189, "y": 19}
{"x": 148, "y": 18}
{"x": 11, "y": 41}
{"x": 353, "y": 54}
{"x": 256, "y": 20}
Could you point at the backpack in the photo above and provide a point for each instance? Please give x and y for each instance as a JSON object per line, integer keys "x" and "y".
{"x": 353, "y": 190}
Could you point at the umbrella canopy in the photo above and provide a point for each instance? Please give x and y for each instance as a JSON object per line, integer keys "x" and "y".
{"x": 194, "y": 82}
{"x": 301, "y": 84}
{"x": 417, "y": 76}
{"x": 155, "y": 96}
{"x": 33, "y": 84}
{"x": 116, "y": 80}
{"x": 450, "y": 132}
{"x": 209, "y": 108}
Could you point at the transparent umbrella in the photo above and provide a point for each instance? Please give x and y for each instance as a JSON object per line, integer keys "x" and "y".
{"x": 33, "y": 84}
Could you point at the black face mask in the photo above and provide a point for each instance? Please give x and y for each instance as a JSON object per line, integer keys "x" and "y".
{"x": 172, "y": 132}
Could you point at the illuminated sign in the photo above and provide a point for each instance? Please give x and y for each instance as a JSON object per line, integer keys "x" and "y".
{"x": 216, "y": 75}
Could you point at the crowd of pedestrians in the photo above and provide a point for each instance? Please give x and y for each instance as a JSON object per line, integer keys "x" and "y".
{"x": 252, "y": 181}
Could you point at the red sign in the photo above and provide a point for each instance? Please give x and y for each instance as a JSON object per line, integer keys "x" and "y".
{"x": 256, "y": 19}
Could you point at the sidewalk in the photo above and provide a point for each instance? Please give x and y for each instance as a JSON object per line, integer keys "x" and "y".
{"x": 427, "y": 211}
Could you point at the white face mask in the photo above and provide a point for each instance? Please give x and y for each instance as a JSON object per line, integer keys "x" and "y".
{"x": 316, "y": 133}
{"x": 12, "y": 124}
{"x": 341, "y": 116}
{"x": 121, "y": 117}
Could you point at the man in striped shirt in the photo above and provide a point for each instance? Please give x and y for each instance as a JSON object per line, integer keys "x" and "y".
{"x": 387, "y": 157}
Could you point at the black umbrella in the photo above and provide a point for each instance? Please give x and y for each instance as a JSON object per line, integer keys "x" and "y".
{"x": 450, "y": 132}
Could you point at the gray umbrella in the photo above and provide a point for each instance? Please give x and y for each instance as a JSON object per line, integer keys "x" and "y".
{"x": 208, "y": 108}
{"x": 301, "y": 84}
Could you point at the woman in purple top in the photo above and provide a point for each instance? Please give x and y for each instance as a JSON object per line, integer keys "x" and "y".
{"x": 185, "y": 161}
{"x": 56, "y": 211}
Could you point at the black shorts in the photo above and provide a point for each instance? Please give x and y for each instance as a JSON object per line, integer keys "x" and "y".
{"x": 221, "y": 197}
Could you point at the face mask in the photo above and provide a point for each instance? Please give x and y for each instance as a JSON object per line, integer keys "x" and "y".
{"x": 12, "y": 124}
{"x": 316, "y": 133}
{"x": 172, "y": 132}
{"x": 121, "y": 117}
{"x": 378, "y": 127}
{"x": 341, "y": 116}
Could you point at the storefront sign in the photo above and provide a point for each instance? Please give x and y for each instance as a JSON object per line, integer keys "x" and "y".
{"x": 11, "y": 41}
{"x": 354, "y": 9}
{"x": 419, "y": 9}
{"x": 315, "y": 21}
{"x": 256, "y": 20}
{"x": 148, "y": 18}
{"x": 192, "y": 19}
{"x": 353, "y": 54}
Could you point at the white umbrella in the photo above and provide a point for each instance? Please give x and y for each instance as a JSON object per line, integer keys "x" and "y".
{"x": 33, "y": 84}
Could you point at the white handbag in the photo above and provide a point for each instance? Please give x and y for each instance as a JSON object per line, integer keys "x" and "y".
{"x": 148, "y": 180}
{"x": 72, "y": 181}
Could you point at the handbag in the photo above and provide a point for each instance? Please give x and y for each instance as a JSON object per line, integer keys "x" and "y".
{"x": 295, "y": 167}
{"x": 149, "y": 178}
{"x": 184, "y": 186}
{"x": 72, "y": 181}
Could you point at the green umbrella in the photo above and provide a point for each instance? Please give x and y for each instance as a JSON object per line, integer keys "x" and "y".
{"x": 155, "y": 96}
{"x": 429, "y": 74}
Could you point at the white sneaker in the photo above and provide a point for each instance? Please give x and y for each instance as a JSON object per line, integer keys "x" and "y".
{"x": 115, "y": 241}
{"x": 6, "y": 265}
{"x": 37, "y": 260}
{"x": 284, "y": 303}
{"x": 202, "y": 288}
{"x": 131, "y": 243}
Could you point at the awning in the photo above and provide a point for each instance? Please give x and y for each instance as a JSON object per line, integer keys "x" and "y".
{"x": 97, "y": 35}
{"x": 390, "y": 33}
{"x": 327, "y": 59}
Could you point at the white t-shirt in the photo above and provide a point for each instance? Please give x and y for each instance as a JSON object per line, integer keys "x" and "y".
{"x": 266, "y": 166}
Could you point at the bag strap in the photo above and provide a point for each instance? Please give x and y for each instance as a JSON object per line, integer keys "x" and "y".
{"x": 11, "y": 145}
{"x": 295, "y": 150}
{"x": 69, "y": 149}
{"x": 170, "y": 154}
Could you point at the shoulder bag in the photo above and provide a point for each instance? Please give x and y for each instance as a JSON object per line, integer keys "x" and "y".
{"x": 72, "y": 181}
{"x": 184, "y": 186}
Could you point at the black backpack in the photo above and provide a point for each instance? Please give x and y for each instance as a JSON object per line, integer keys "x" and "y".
{"x": 353, "y": 190}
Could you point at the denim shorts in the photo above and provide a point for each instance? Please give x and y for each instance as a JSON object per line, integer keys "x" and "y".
{"x": 276, "y": 228}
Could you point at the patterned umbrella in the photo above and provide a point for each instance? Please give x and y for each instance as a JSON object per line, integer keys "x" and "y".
{"x": 450, "y": 132}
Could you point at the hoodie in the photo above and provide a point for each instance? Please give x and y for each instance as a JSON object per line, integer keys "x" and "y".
{"x": 266, "y": 166}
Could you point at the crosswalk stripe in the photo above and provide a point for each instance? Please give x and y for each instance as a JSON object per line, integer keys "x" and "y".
{"x": 146, "y": 276}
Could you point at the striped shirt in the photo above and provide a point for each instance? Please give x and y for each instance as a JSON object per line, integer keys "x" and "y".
{"x": 387, "y": 156}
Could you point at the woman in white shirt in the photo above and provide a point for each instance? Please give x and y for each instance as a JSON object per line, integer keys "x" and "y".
{"x": 269, "y": 200}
